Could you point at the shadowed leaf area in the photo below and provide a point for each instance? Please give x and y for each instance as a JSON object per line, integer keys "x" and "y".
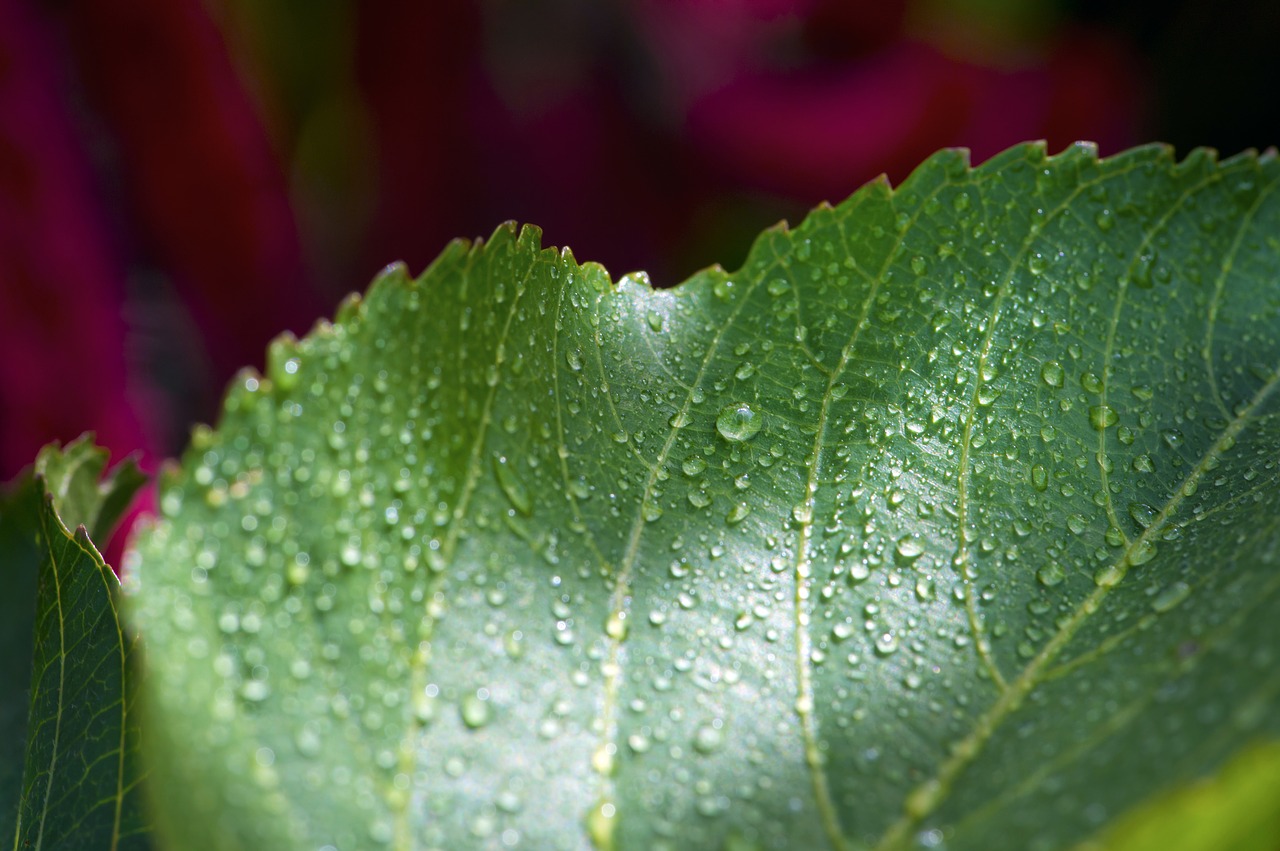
{"x": 949, "y": 520}
{"x": 69, "y": 761}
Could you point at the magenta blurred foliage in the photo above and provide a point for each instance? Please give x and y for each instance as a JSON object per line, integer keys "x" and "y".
{"x": 176, "y": 141}
{"x": 63, "y": 365}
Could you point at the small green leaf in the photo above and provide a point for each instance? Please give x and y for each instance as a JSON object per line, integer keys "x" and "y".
{"x": 73, "y": 476}
{"x": 948, "y": 520}
{"x": 69, "y": 770}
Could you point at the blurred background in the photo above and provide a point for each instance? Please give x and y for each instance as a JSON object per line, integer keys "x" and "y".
{"x": 181, "y": 180}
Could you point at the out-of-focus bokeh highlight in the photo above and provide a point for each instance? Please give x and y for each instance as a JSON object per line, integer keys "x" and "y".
{"x": 180, "y": 180}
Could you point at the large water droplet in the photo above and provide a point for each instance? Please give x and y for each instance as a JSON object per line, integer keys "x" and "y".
{"x": 1051, "y": 574}
{"x": 1053, "y": 374}
{"x": 511, "y": 485}
{"x": 909, "y": 548}
{"x": 1103, "y": 416}
{"x": 739, "y": 422}
{"x": 709, "y": 738}
{"x": 475, "y": 709}
{"x": 1171, "y": 596}
{"x": 886, "y": 643}
{"x": 602, "y": 824}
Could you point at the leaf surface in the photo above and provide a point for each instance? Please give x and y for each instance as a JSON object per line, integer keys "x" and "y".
{"x": 949, "y": 519}
{"x": 69, "y": 771}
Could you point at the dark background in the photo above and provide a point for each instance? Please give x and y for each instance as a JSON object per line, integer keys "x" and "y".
{"x": 180, "y": 180}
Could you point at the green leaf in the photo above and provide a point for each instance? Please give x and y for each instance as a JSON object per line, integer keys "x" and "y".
{"x": 949, "y": 519}
{"x": 69, "y": 766}
{"x": 84, "y": 497}
{"x": 20, "y": 560}
{"x": 1237, "y": 810}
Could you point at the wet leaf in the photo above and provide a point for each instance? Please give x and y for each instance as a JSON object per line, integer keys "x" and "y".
{"x": 948, "y": 520}
{"x": 69, "y": 769}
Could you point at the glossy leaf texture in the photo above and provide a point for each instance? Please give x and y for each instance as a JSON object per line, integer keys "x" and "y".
{"x": 71, "y": 770}
{"x": 948, "y": 520}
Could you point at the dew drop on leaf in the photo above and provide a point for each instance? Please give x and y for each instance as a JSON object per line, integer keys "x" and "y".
{"x": 1053, "y": 374}
{"x": 1109, "y": 576}
{"x": 475, "y": 709}
{"x": 708, "y": 738}
{"x": 1102, "y": 416}
{"x": 739, "y": 422}
{"x": 909, "y": 548}
{"x": 602, "y": 824}
{"x": 1051, "y": 574}
{"x": 1171, "y": 596}
{"x": 515, "y": 490}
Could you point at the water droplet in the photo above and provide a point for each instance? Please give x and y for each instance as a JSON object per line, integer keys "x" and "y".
{"x": 475, "y": 709}
{"x": 1053, "y": 374}
{"x": 602, "y": 824}
{"x": 1109, "y": 576}
{"x": 307, "y": 739}
{"x": 886, "y": 643}
{"x": 1144, "y": 552}
{"x": 616, "y": 626}
{"x": 738, "y": 513}
{"x": 1039, "y": 477}
{"x": 1102, "y": 417}
{"x": 1144, "y": 515}
{"x": 573, "y": 357}
{"x": 1105, "y": 220}
{"x": 1051, "y": 574}
{"x": 909, "y": 548}
{"x": 1171, "y": 596}
{"x": 511, "y": 485}
{"x": 603, "y": 760}
{"x": 282, "y": 366}
{"x": 738, "y": 422}
{"x": 709, "y": 738}
{"x": 255, "y": 691}
{"x": 1091, "y": 382}
{"x": 693, "y": 465}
